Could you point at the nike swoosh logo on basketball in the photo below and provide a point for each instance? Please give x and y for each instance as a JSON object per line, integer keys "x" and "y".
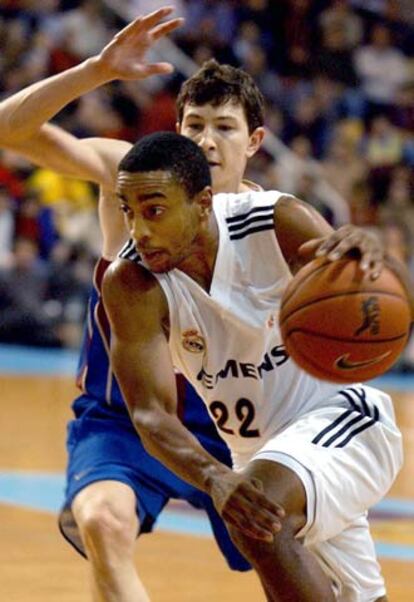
{"x": 343, "y": 363}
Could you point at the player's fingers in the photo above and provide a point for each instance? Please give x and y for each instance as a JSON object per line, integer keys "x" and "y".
{"x": 248, "y": 527}
{"x": 131, "y": 27}
{"x": 263, "y": 502}
{"x": 155, "y": 69}
{"x": 255, "y": 514}
{"x": 309, "y": 248}
{"x": 342, "y": 247}
{"x": 376, "y": 265}
{"x": 256, "y": 531}
{"x": 328, "y": 244}
{"x": 166, "y": 28}
{"x": 151, "y": 20}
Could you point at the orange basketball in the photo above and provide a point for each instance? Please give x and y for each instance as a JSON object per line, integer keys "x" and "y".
{"x": 341, "y": 326}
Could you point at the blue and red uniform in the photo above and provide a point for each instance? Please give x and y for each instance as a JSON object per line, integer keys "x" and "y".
{"x": 103, "y": 444}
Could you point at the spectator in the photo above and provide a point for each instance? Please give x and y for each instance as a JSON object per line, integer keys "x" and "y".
{"x": 340, "y": 16}
{"x": 82, "y": 30}
{"x": 291, "y": 167}
{"x": 384, "y": 149}
{"x": 23, "y": 287}
{"x": 334, "y": 59}
{"x": 382, "y": 69}
{"x": 306, "y": 119}
{"x": 343, "y": 167}
{"x": 36, "y": 223}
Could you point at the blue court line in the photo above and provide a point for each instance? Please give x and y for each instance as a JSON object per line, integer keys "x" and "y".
{"x": 15, "y": 359}
{"x": 44, "y": 492}
{"x": 30, "y": 360}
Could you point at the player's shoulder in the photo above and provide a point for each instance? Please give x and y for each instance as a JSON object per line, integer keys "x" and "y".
{"x": 129, "y": 284}
{"x": 238, "y": 206}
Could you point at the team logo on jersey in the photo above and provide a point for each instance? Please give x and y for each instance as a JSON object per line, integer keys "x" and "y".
{"x": 192, "y": 341}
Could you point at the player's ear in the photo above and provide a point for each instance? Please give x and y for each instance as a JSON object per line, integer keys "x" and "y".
{"x": 177, "y": 127}
{"x": 255, "y": 141}
{"x": 204, "y": 200}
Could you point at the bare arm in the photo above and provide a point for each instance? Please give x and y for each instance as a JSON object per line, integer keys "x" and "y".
{"x": 302, "y": 232}
{"x": 141, "y": 360}
{"x": 297, "y": 223}
{"x": 24, "y": 115}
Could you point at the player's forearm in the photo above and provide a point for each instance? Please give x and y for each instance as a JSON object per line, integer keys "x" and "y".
{"x": 165, "y": 438}
{"x": 23, "y": 113}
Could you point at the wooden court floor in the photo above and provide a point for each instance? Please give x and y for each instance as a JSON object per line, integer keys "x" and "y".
{"x": 36, "y": 565}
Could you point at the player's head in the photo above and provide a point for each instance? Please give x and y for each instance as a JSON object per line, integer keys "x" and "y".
{"x": 164, "y": 188}
{"x": 222, "y": 110}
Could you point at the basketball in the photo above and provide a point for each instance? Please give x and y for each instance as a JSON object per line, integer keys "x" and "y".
{"x": 341, "y": 326}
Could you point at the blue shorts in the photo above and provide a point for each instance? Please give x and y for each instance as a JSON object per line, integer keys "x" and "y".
{"x": 102, "y": 444}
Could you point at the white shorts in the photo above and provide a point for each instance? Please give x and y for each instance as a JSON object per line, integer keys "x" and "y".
{"x": 347, "y": 456}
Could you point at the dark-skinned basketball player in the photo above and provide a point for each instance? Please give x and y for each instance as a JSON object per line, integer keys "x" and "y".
{"x": 198, "y": 288}
{"x": 213, "y": 127}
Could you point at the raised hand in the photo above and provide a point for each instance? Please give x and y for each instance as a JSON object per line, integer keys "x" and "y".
{"x": 241, "y": 502}
{"x": 345, "y": 239}
{"x": 124, "y": 57}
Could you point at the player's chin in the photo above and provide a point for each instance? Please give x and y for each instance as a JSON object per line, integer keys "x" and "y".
{"x": 160, "y": 264}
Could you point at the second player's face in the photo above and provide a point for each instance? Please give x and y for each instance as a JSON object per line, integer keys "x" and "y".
{"x": 223, "y": 134}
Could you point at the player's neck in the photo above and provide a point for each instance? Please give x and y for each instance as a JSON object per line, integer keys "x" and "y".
{"x": 199, "y": 263}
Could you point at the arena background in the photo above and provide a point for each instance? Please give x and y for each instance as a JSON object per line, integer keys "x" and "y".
{"x": 338, "y": 77}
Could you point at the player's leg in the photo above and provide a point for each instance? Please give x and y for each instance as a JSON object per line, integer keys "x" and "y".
{"x": 105, "y": 513}
{"x": 350, "y": 559}
{"x": 106, "y": 501}
{"x": 288, "y": 571}
{"x": 346, "y": 456}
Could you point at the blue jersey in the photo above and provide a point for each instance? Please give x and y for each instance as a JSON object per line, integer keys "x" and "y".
{"x": 96, "y": 379}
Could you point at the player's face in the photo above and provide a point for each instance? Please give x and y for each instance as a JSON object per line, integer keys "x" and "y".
{"x": 222, "y": 132}
{"x": 161, "y": 219}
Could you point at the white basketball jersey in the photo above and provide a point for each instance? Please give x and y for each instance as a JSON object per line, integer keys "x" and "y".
{"x": 227, "y": 342}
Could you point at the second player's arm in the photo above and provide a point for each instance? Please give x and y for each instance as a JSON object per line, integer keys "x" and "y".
{"x": 24, "y": 116}
{"x": 140, "y": 357}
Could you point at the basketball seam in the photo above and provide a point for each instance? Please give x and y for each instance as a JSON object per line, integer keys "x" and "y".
{"x": 303, "y": 281}
{"x": 334, "y": 296}
{"x": 343, "y": 339}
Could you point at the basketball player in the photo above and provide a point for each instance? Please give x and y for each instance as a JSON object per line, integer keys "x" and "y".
{"x": 198, "y": 287}
{"x": 115, "y": 489}
{"x": 105, "y": 501}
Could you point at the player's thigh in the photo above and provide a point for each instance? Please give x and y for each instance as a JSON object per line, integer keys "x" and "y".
{"x": 107, "y": 503}
{"x": 283, "y": 486}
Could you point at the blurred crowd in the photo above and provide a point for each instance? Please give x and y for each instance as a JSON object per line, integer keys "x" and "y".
{"x": 338, "y": 78}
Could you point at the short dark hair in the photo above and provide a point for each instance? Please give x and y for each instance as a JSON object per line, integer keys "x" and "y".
{"x": 217, "y": 84}
{"x": 171, "y": 152}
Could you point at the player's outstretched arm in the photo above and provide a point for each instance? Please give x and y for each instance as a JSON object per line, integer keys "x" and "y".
{"x": 140, "y": 356}
{"x": 23, "y": 116}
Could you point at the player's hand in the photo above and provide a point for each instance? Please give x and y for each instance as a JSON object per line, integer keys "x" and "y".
{"x": 349, "y": 238}
{"x": 241, "y": 502}
{"x": 124, "y": 57}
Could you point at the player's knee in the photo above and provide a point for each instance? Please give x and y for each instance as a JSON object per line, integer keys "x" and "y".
{"x": 105, "y": 524}
{"x": 254, "y": 549}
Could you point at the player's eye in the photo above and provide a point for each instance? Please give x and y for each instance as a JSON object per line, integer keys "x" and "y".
{"x": 125, "y": 209}
{"x": 155, "y": 211}
{"x": 194, "y": 127}
{"x": 225, "y": 128}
